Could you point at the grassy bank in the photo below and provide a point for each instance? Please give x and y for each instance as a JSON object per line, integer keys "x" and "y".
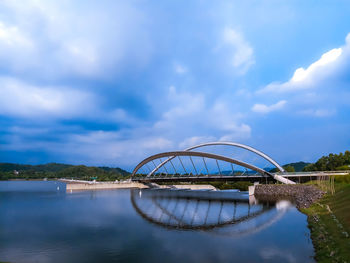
{"x": 329, "y": 222}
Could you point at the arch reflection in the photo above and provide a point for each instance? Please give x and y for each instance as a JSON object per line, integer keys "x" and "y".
{"x": 220, "y": 212}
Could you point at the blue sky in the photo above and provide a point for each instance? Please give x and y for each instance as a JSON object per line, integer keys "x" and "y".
{"x": 110, "y": 82}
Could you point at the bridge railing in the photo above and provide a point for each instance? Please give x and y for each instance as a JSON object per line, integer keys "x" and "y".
{"x": 340, "y": 172}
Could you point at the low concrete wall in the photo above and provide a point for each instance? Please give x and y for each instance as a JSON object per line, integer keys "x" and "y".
{"x": 194, "y": 186}
{"x": 100, "y": 186}
{"x": 74, "y": 185}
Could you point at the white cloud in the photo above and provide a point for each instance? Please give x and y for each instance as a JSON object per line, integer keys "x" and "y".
{"x": 180, "y": 106}
{"x": 182, "y": 125}
{"x": 189, "y": 119}
{"x": 237, "y": 133}
{"x": 316, "y": 74}
{"x": 323, "y": 82}
{"x": 191, "y": 141}
{"x": 47, "y": 39}
{"x": 302, "y": 74}
{"x": 118, "y": 115}
{"x": 24, "y": 100}
{"x": 11, "y": 36}
{"x": 318, "y": 112}
{"x": 191, "y": 116}
{"x": 262, "y": 108}
{"x": 21, "y": 99}
{"x": 158, "y": 143}
{"x": 180, "y": 69}
{"x": 237, "y": 50}
{"x": 94, "y": 147}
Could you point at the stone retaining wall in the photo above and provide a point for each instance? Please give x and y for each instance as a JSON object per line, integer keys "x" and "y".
{"x": 302, "y": 195}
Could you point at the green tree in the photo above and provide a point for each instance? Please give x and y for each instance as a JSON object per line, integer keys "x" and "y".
{"x": 330, "y": 163}
{"x": 289, "y": 169}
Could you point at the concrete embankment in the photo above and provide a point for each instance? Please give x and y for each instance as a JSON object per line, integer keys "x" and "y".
{"x": 302, "y": 195}
{"x": 103, "y": 186}
{"x": 74, "y": 185}
{"x": 192, "y": 186}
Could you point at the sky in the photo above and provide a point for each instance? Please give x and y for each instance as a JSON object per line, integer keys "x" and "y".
{"x": 111, "y": 82}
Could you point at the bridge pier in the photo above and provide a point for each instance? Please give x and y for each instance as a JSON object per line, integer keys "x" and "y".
{"x": 251, "y": 190}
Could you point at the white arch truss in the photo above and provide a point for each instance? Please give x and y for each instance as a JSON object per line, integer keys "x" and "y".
{"x": 239, "y": 145}
{"x": 190, "y": 153}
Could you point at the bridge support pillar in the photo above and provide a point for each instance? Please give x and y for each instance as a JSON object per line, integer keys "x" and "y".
{"x": 251, "y": 189}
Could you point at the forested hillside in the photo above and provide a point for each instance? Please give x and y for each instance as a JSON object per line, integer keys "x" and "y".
{"x": 56, "y": 170}
{"x": 331, "y": 162}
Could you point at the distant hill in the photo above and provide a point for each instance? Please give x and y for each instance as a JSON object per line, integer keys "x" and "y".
{"x": 49, "y": 167}
{"x": 115, "y": 170}
{"x": 57, "y": 170}
{"x": 298, "y": 167}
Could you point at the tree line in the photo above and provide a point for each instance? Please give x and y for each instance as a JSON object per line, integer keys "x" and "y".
{"x": 55, "y": 170}
{"x": 331, "y": 162}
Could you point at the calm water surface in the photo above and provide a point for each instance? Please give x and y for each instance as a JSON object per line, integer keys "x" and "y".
{"x": 40, "y": 222}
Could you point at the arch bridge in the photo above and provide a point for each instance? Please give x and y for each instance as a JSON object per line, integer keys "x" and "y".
{"x": 193, "y": 165}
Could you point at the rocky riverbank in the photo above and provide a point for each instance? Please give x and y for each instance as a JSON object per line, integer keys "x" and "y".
{"x": 302, "y": 195}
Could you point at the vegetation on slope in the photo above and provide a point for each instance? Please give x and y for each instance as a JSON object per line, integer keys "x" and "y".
{"x": 332, "y": 162}
{"x": 329, "y": 222}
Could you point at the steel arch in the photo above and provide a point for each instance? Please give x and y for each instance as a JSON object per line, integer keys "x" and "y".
{"x": 239, "y": 145}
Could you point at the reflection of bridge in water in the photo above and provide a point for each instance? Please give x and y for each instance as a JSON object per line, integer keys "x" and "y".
{"x": 220, "y": 212}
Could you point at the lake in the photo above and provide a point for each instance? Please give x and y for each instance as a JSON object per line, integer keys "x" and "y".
{"x": 40, "y": 222}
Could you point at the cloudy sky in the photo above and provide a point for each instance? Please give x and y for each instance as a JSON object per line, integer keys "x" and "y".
{"x": 109, "y": 82}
